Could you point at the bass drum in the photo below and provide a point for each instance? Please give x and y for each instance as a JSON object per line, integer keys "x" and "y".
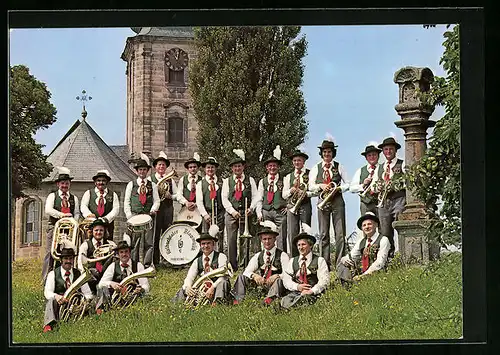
{"x": 178, "y": 244}
{"x": 186, "y": 216}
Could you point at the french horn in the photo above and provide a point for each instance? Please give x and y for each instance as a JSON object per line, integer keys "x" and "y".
{"x": 66, "y": 228}
{"x": 126, "y": 297}
{"x": 163, "y": 184}
{"x": 77, "y": 304}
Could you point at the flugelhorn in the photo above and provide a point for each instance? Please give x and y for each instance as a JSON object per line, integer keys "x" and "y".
{"x": 124, "y": 298}
{"x": 163, "y": 184}
{"x": 382, "y": 196}
{"x": 66, "y": 228}
{"x": 77, "y": 304}
{"x": 200, "y": 287}
{"x": 298, "y": 196}
{"x": 327, "y": 194}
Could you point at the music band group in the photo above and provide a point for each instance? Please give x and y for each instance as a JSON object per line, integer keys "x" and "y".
{"x": 277, "y": 260}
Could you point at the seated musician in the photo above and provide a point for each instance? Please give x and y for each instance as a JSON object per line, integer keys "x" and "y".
{"x": 56, "y": 284}
{"x": 306, "y": 276}
{"x": 217, "y": 289}
{"x": 264, "y": 269}
{"x": 86, "y": 252}
{"x": 372, "y": 250}
{"x": 115, "y": 273}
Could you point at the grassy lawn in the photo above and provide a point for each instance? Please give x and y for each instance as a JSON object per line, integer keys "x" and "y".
{"x": 404, "y": 303}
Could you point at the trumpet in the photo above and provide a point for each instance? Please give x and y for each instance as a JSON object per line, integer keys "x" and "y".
{"x": 298, "y": 196}
{"x": 327, "y": 194}
{"x": 163, "y": 184}
{"x": 77, "y": 304}
{"x": 203, "y": 283}
{"x": 123, "y": 299}
{"x": 382, "y": 196}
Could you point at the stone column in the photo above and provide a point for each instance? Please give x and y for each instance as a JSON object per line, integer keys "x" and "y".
{"x": 413, "y": 221}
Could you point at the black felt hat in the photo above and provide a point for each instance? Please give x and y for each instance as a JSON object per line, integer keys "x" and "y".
{"x": 161, "y": 156}
{"x": 304, "y": 235}
{"x": 298, "y": 153}
{"x": 210, "y": 160}
{"x": 368, "y": 215}
{"x": 370, "y": 148}
{"x": 389, "y": 141}
{"x": 122, "y": 245}
{"x": 102, "y": 173}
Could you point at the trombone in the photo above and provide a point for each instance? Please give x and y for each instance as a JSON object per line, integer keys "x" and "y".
{"x": 246, "y": 236}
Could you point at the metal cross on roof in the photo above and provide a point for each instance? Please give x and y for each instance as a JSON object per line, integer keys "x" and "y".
{"x": 83, "y": 98}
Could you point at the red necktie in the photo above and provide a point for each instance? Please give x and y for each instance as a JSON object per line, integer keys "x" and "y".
{"x": 100, "y": 205}
{"x": 68, "y": 282}
{"x": 98, "y": 264}
{"x": 238, "y": 193}
{"x": 327, "y": 178}
{"x": 270, "y": 192}
{"x": 142, "y": 193}
{"x": 387, "y": 174}
{"x": 373, "y": 170}
{"x": 207, "y": 265}
{"x": 297, "y": 178}
{"x": 192, "y": 194}
{"x": 268, "y": 265}
{"x": 213, "y": 192}
{"x": 65, "y": 204}
{"x": 303, "y": 271}
{"x": 365, "y": 260}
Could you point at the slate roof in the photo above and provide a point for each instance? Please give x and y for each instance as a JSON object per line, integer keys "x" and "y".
{"x": 121, "y": 151}
{"x": 179, "y": 32}
{"x": 83, "y": 152}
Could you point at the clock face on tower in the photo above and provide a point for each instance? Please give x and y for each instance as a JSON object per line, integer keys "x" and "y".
{"x": 176, "y": 59}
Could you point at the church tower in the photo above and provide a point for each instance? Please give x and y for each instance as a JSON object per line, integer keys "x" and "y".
{"x": 160, "y": 116}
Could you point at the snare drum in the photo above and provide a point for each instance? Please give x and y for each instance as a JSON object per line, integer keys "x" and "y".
{"x": 140, "y": 223}
{"x": 178, "y": 244}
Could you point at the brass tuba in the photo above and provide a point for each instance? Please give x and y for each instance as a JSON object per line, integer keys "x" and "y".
{"x": 163, "y": 184}
{"x": 327, "y": 195}
{"x": 77, "y": 304}
{"x": 66, "y": 228}
{"x": 298, "y": 196}
{"x": 127, "y": 296}
{"x": 199, "y": 299}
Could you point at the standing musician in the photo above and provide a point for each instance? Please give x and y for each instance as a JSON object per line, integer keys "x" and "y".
{"x": 59, "y": 204}
{"x": 295, "y": 184}
{"x": 101, "y": 202}
{"x": 218, "y": 288}
{"x": 265, "y": 269}
{"x": 115, "y": 273}
{"x": 372, "y": 250}
{"x": 391, "y": 171}
{"x": 141, "y": 197}
{"x": 323, "y": 175}
{"x": 306, "y": 276}
{"x": 86, "y": 252}
{"x": 235, "y": 189}
{"x": 363, "y": 177}
{"x": 271, "y": 206}
{"x": 186, "y": 191}
{"x": 208, "y": 197}
{"x": 57, "y": 282}
{"x": 165, "y": 214}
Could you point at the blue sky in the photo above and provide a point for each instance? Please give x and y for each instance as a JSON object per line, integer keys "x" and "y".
{"x": 348, "y": 83}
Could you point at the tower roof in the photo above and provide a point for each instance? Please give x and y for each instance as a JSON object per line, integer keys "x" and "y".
{"x": 83, "y": 152}
{"x": 178, "y": 32}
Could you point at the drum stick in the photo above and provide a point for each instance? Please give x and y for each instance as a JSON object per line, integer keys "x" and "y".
{"x": 154, "y": 236}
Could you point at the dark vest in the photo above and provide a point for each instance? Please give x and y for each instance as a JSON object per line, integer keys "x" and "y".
{"x": 213, "y": 265}
{"x": 167, "y": 201}
{"x": 91, "y": 248}
{"x": 187, "y": 185}
{"x": 375, "y": 246}
{"x": 368, "y": 198}
{"x": 397, "y": 174}
{"x": 207, "y": 202}
{"x": 312, "y": 278}
{"x": 276, "y": 263}
{"x": 246, "y": 193}
{"x": 117, "y": 275}
{"x": 58, "y": 205}
{"x": 108, "y": 206}
{"x": 305, "y": 177}
{"x": 278, "y": 201}
{"x": 336, "y": 178}
{"x": 60, "y": 284}
{"x": 135, "y": 205}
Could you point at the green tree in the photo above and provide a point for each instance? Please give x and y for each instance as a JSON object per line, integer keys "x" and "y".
{"x": 245, "y": 84}
{"x": 30, "y": 110}
{"x": 436, "y": 177}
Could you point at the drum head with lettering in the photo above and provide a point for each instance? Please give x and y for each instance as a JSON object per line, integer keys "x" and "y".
{"x": 178, "y": 244}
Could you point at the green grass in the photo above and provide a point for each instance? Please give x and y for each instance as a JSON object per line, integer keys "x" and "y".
{"x": 404, "y": 303}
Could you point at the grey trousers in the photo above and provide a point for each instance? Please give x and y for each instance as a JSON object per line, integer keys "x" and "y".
{"x": 147, "y": 249}
{"x": 280, "y": 220}
{"x": 243, "y": 283}
{"x": 294, "y": 298}
{"x": 220, "y": 223}
{"x": 368, "y": 207}
{"x": 293, "y": 226}
{"x": 51, "y": 312}
{"x": 337, "y": 211}
{"x": 388, "y": 214}
{"x": 222, "y": 292}
{"x": 48, "y": 261}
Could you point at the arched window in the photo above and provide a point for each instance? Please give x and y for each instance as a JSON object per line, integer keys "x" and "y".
{"x": 175, "y": 130}
{"x": 176, "y": 77}
{"x": 32, "y": 221}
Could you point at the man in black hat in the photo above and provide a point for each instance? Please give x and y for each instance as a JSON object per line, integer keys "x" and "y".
{"x": 57, "y": 282}
{"x": 209, "y": 199}
{"x": 86, "y": 252}
{"x": 271, "y": 206}
{"x": 101, "y": 201}
{"x": 186, "y": 190}
{"x": 306, "y": 276}
{"x": 322, "y": 177}
{"x": 296, "y": 185}
{"x": 141, "y": 197}
{"x": 363, "y": 177}
{"x": 390, "y": 172}
{"x": 368, "y": 255}
{"x": 115, "y": 273}
{"x": 165, "y": 214}
{"x": 238, "y": 190}
{"x": 216, "y": 289}
{"x": 59, "y": 204}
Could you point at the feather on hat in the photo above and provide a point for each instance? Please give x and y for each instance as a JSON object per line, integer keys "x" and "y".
{"x": 268, "y": 227}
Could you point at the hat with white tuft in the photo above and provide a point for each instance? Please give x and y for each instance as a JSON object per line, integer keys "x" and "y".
{"x": 328, "y": 142}
{"x": 143, "y": 162}
{"x": 63, "y": 174}
{"x": 305, "y": 234}
{"x": 211, "y": 235}
{"x": 102, "y": 173}
{"x": 161, "y": 156}
{"x": 239, "y": 157}
{"x": 276, "y": 157}
{"x": 268, "y": 227}
{"x": 195, "y": 159}
{"x": 210, "y": 160}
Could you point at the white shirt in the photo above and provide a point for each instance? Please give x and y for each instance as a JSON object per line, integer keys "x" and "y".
{"x": 128, "y": 193}
{"x": 180, "y": 189}
{"x": 253, "y": 264}
{"x": 193, "y": 270}
{"x": 225, "y": 193}
{"x": 107, "y": 277}
{"x": 51, "y": 211}
{"x": 344, "y": 183}
{"x": 381, "y": 254}
{"x": 84, "y": 207}
{"x": 287, "y": 183}
{"x": 322, "y": 273}
{"x": 260, "y": 191}
{"x": 50, "y": 284}
{"x": 355, "y": 186}
{"x": 174, "y": 185}
{"x": 82, "y": 252}
{"x": 199, "y": 195}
